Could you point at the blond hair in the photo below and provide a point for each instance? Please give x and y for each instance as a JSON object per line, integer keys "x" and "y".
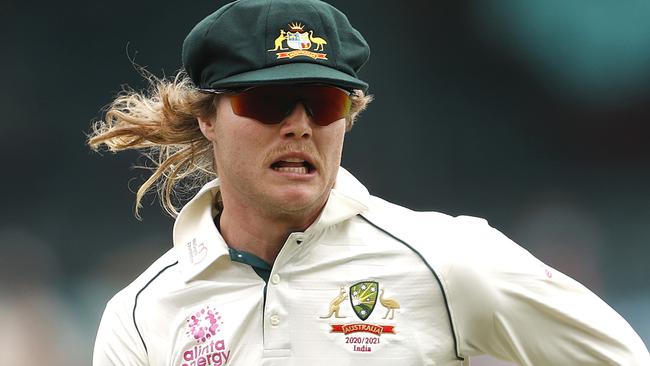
{"x": 161, "y": 122}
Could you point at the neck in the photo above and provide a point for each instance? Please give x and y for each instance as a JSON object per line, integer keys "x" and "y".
{"x": 261, "y": 233}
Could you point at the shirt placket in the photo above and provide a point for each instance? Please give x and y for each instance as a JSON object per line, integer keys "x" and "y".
{"x": 277, "y": 338}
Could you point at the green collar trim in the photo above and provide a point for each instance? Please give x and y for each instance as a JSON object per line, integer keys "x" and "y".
{"x": 248, "y": 258}
{"x": 260, "y": 267}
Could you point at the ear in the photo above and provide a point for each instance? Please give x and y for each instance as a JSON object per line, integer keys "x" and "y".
{"x": 207, "y": 126}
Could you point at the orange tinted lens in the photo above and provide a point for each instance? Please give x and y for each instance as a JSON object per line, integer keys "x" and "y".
{"x": 272, "y": 104}
{"x": 327, "y": 104}
{"x": 265, "y": 104}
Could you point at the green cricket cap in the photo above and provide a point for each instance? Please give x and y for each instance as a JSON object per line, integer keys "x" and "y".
{"x": 261, "y": 42}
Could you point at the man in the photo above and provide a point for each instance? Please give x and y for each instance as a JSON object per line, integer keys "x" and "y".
{"x": 285, "y": 258}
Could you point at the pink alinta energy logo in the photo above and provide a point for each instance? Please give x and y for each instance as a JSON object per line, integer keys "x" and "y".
{"x": 210, "y": 348}
{"x": 204, "y": 324}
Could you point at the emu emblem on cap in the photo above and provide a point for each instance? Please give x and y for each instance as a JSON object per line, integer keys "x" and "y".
{"x": 300, "y": 41}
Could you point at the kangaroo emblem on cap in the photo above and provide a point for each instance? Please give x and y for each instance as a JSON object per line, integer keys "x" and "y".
{"x": 279, "y": 40}
{"x": 300, "y": 41}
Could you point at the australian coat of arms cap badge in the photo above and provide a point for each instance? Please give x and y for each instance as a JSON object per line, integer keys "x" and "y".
{"x": 299, "y": 42}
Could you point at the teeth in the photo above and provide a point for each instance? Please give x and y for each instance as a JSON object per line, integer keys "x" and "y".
{"x": 295, "y": 170}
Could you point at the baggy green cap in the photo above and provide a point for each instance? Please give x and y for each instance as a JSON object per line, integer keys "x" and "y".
{"x": 262, "y": 42}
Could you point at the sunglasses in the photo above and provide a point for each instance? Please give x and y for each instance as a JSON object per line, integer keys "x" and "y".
{"x": 272, "y": 104}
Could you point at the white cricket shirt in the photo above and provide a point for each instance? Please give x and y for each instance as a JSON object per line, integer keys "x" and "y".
{"x": 368, "y": 283}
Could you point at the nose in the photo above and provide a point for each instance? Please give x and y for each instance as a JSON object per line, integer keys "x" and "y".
{"x": 297, "y": 124}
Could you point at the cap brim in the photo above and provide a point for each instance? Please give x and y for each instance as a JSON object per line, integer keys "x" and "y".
{"x": 293, "y": 73}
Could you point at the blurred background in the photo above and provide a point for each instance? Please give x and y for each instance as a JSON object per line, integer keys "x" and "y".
{"x": 534, "y": 115}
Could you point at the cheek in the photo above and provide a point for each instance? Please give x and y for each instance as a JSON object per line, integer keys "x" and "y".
{"x": 335, "y": 142}
{"x": 225, "y": 150}
{"x": 331, "y": 147}
{"x": 237, "y": 147}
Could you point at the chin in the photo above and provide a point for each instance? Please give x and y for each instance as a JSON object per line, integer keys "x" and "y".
{"x": 298, "y": 200}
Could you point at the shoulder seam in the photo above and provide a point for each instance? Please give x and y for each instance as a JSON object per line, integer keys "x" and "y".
{"x": 135, "y": 304}
{"x": 435, "y": 275}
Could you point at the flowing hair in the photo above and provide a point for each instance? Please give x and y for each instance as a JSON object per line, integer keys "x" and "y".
{"x": 161, "y": 123}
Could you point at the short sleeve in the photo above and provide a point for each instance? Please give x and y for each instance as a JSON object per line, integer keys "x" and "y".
{"x": 118, "y": 341}
{"x": 509, "y": 304}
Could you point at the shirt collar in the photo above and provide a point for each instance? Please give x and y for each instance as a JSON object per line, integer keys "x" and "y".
{"x": 198, "y": 243}
{"x": 348, "y": 198}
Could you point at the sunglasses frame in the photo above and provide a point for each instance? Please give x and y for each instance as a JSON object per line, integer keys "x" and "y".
{"x": 245, "y": 89}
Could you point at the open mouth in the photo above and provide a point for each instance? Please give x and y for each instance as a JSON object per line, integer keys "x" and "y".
{"x": 294, "y": 166}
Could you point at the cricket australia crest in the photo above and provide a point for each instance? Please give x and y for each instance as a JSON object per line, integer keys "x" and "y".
{"x": 363, "y": 296}
{"x": 299, "y": 43}
{"x": 362, "y": 336}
